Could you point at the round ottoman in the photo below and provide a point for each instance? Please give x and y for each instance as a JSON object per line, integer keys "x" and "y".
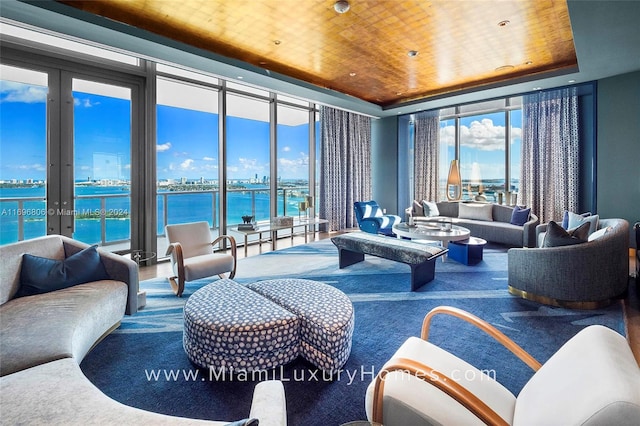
{"x": 326, "y": 318}
{"x": 227, "y": 326}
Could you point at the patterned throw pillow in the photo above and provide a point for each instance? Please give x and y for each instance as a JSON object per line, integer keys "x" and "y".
{"x": 556, "y": 236}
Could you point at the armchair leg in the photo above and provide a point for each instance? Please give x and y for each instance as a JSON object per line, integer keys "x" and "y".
{"x": 177, "y": 286}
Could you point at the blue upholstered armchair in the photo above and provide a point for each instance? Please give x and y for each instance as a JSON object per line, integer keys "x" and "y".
{"x": 371, "y": 219}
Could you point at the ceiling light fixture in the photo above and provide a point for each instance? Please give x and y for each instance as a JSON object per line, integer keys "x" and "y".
{"x": 341, "y": 6}
{"x": 412, "y": 53}
{"x": 504, "y": 68}
{"x": 352, "y": 74}
{"x": 504, "y": 23}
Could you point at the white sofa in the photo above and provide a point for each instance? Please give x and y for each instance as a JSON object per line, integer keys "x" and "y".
{"x": 44, "y": 337}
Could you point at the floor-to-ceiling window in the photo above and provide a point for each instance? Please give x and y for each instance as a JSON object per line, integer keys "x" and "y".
{"x": 485, "y": 138}
{"x": 187, "y": 142}
{"x": 248, "y": 160}
{"x": 293, "y": 160}
{"x": 23, "y": 145}
{"x": 199, "y": 131}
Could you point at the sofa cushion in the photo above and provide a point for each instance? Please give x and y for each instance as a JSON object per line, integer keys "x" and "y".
{"x": 63, "y": 323}
{"x": 576, "y": 220}
{"x": 482, "y": 212}
{"x": 556, "y": 236}
{"x": 430, "y": 208}
{"x": 41, "y": 275}
{"x": 520, "y": 215}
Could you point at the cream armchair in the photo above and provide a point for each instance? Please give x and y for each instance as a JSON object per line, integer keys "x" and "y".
{"x": 592, "y": 379}
{"x": 192, "y": 255}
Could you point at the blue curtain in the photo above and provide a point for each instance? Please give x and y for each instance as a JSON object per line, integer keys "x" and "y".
{"x": 550, "y": 159}
{"x": 345, "y": 166}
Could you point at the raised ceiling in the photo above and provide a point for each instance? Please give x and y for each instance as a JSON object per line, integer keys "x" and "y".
{"x": 460, "y": 45}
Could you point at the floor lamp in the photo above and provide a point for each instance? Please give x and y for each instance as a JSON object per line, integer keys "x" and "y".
{"x": 454, "y": 182}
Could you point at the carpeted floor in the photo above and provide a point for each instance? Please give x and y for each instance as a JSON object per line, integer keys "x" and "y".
{"x": 144, "y": 365}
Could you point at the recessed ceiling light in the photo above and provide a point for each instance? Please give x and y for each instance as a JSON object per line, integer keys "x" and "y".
{"x": 341, "y": 6}
{"x": 240, "y": 77}
{"x": 276, "y": 42}
{"x": 352, "y": 74}
{"x": 529, "y": 63}
{"x": 412, "y": 53}
{"x": 572, "y": 81}
{"x": 504, "y": 23}
{"x": 537, "y": 88}
{"x": 505, "y": 68}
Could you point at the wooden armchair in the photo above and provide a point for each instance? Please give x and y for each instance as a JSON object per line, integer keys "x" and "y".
{"x": 192, "y": 255}
{"x": 591, "y": 379}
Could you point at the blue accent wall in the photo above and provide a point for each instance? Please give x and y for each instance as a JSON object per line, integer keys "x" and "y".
{"x": 618, "y": 150}
{"x": 384, "y": 163}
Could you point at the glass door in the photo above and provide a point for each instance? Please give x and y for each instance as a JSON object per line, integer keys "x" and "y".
{"x": 23, "y": 153}
{"x": 102, "y": 122}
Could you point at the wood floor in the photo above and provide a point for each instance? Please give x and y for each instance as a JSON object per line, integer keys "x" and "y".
{"x": 631, "y": 303}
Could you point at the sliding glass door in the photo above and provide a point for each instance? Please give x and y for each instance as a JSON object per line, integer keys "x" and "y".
{"x": 101, "y": 162}
{"x": 66, "y": 155}
{"x": 23, "y": 153}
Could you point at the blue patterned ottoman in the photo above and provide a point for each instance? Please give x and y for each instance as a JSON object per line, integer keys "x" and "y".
{"x": 227, "y": 326}
{"x": 326, "y": 318}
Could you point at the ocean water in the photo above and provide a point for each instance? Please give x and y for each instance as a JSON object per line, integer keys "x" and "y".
{"x": 172, "y": 208}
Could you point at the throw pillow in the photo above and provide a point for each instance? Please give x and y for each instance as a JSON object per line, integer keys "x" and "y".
{"x": 430, "y": 208}
{"x": 576, "y": 220}
{"x": 599, "y": 233}
{"x": 476, "y": 211}
{"x": 41, "y": 275}
{"x": 520, "y": 215}
{"x": 416, "y": 209}
{"x": 557, "y": 236}
{"x": 565, "y": 218}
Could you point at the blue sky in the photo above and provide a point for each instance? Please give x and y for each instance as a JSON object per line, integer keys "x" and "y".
{"x": 187, "y": 140}
{"x": 482, "y": 142}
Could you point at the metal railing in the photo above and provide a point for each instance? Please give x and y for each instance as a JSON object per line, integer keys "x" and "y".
{"x": 14, "y": 216}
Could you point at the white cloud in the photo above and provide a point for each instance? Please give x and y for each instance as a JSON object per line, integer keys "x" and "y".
{"x": 482, "y": 135}
{"x": 35, "y": 166}
{"x": 286, "y": 148}
{"x": 187, "y": 164}
{"x": 86, "y": 102}
{"x": 17, "y": 92}
{"x": 162, "y": 147}
{"x": 208, "y": 159}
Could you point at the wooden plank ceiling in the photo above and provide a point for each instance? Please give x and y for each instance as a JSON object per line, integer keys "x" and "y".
{"x": 461, "y": 44}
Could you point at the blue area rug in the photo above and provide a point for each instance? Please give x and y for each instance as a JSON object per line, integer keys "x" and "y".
{"x": 143, "y": 364}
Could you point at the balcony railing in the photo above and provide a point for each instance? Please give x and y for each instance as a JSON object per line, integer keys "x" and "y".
{"x": 25, "y": 217}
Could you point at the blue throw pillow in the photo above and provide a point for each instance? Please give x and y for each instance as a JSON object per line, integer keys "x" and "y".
{"x": 41, "y": 275}
{"x": 520, "y": 215}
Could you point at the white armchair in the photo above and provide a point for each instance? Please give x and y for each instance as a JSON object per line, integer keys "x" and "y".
{"x": 592, "y": 379}
{"x": 192, "y": 255}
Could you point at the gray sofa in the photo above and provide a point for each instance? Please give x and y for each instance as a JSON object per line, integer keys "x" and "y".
{"x": 587, "y": 275}
{"x": 499, "y": 230}
{"x": 44, "y": 337}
